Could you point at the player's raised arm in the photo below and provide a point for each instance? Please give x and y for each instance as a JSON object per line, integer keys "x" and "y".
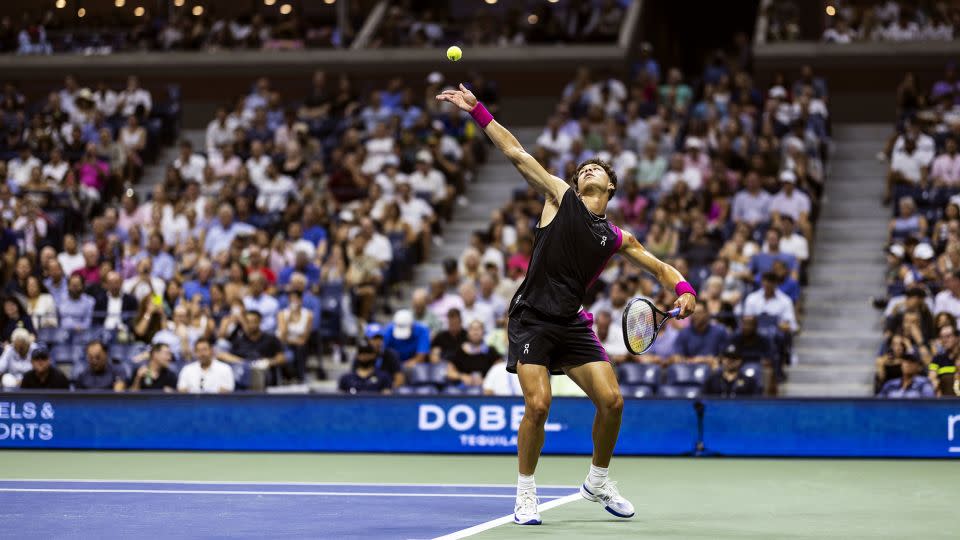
{"x": 535, "y": 175}
{"x": 668, "y": 276}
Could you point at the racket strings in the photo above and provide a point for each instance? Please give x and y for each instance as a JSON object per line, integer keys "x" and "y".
{"x": 641, "y": 327}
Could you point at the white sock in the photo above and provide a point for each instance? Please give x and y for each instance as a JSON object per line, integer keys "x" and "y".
{"x": 525, "y": 483}
{"x": 597, "y": 476}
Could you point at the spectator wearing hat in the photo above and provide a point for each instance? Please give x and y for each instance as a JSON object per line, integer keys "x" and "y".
{"x": 923, "y": 271}
{"x": 365, "y": 377}
{"x": 411, "y": 340}
{"x": 387, "y": 359}
{"x": 790, "y": 201}
{"x": 729, "y": 382}
{"x": 427, "y": 182}
{"x": 41, "y": 375}
{"x": 911, "y": 384}
{"x": 695, "y": 157}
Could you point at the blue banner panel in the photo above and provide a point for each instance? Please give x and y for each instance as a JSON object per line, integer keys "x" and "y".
{"x": 852, "y": 428}
{"x": 840, "y": 428}
{"x": 322, "y": 423}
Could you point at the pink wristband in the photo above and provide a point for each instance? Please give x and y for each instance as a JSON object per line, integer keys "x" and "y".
{"x": 481, "y": 115}
{"x": 683, "y": 287}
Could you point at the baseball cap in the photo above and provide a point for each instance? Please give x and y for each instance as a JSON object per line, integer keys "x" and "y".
{"x": 923, "y": 251}
{"x": 424, "y": 155}
{"x": 730, "y": 351}
{"x": 910, "y": 356}
{"x": 788, "y": 177}
{"x": 40, "y": 352}
{"x": 373, "y": 330}
{"x": 403, "y": 324}
{"x": 897, "y": 251}
{"x": 366, "y": 348}
{"x": 778, "y": 92}
{"x": 694, "y": 142}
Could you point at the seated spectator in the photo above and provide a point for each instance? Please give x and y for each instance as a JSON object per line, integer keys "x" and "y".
{"x": 365, "y": 378}
{"x": 753, "y": 347}
{"x": 945, "y": 170}
{"x": 40, "y": 304}
{"x": 470, "y": 364}
{"x": 14, "y": 317}
{"x": 472, "y": 309}
{"x": 259, "y": 300}
{"x": 728, "y": 382}
{"x": 943, "y": 366}
{"x": 411, "y": 340}
{"x": 908, "y": 224}
{"x": 948, "y": 300}
{"x": 156, "y": 374}
{"x": 790, "y": 201}
{"x": 910, "y": 384}
{"x": 144, "y": 284}
{"x": 907, "y": 168}
{"x": 56, "y": 281}
{"x": 752, "y": 204}
{"x": 703, "y": 340}
{"x": 294, "y": 326}
{"x": 451, "y": 340}
{"x": 303, "y": 254}
{"x": 42, "y": 376}
{"x": 90, "y": 271}
{"x": 251, "y": 347}
{"x": 788, "y": 285}
{"x": 206, "y": 375}
{"x": 200, "y": 285}
{"x": 610, "y": 334}
{"x": 500, "y": 382}
{"x": 422, "y": 312}
{"x": 15, "y": 358}
{"x": 769, "y": 300}
{"x": 791, "y": 241}
{"x": 113, "y": 309}
{"x": 76, "y": 310}
{"x": 100, "y": 373}
{"x": 762, "y": 262}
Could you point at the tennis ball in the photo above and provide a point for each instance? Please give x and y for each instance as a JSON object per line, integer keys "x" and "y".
{"x": 454, "y": 53}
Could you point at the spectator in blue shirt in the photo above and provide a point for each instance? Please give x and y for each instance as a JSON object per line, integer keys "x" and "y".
{"x": 224, "y": 230}
{"x": 365, "y": 377}
{"x": 200, "y": 285}
{"x": 411, "y": 340}
{"x": 910, "y": 384}
{"x": 313, "y": 230}
{"x": 76, "y": 310}
{"x": 163, "y": 264}
{"x": 703, "y": 339}
{"x": 788, "y": 285}
{"x": 763, "y": 262}
{"x": 303, "y": 252}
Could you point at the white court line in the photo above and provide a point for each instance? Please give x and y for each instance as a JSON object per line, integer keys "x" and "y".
{"x": 476, "y": 529}
{"x": 270, "y": 483}
{"x": 296, "y": 493}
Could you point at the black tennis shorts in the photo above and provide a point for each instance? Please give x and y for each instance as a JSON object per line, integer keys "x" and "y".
{"x": 554, "y": 343}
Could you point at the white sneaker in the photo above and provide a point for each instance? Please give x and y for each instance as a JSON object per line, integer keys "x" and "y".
{"x": 525, "y": 511}
{"x": 609, "y": 497}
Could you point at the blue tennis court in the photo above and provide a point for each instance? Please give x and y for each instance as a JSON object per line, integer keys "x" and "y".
{"x": 110, "y": 509}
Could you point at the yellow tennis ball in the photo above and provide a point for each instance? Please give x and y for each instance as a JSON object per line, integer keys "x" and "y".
{"x": 454, "y": 53}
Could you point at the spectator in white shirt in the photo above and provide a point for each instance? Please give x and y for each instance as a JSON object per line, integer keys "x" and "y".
{"x": 18, "y": 168}
{"x": 926, "y": 146}
{"x": 206, "y": 375}
{"x": 388, "y": 178}
{"x": 275, "y": 190}
{"x": 413, "y": 210}
{"x": 133, "y": 96}
{"x": 679, "y": 172}
{"x": 106, "y": 100}
{"x": 500, "y": 382}
{"x": 790, "y": 201}
{"x": 378, "y": 246}
{"x": 840, "y": 32}
{"x": 219, "y": 132}
{"x": 906, "y": 168}
{"x": 696, "y": 157}
{"x": 189, "y": 165}
{"x": 225, "y": 164}
{"x": 553, "y": 139}
{"x": 473, "y": 310}
{"x": 257, "y": 162}
{"x": 427, "y": 181}
{"x": 791, "y": 242}
{"x": 55, "y": 171}
{"x": 945, "y": 171}
{"x": 70, "y": 258}
{"x": 380, "y": 147}
{"x": 769, "y": 300}
{"x": 903, "y": 29}
{"x": 948, "y": 300}
{"x": 751, "y": 205}
{"x": 624, "y": 161}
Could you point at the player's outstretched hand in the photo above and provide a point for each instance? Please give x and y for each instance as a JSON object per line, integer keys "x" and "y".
{"x": 687, "y": 304}
{"x": 462, "y": 98}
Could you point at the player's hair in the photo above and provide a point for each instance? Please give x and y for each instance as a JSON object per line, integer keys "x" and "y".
{"x": 607, "y": 168}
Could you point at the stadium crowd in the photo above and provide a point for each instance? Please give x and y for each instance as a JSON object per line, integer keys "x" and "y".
{"x": 852, "y": 21}
{"x": 286, "y": 231}
{"x": 712, "y": 167}
{"x": 106, "y": 29}
{"x": 413, "y": 23}
{"x": 920, "y": 353}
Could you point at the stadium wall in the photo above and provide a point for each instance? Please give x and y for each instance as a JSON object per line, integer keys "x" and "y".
{"x": 784, "y": 427}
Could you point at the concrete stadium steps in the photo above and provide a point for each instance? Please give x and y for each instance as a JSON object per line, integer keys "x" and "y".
{"x": 491, "y": 189}
{"x": 841, "y": 330}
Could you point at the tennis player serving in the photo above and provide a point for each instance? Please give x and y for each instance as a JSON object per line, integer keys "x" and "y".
{"x": 549, "y": 331}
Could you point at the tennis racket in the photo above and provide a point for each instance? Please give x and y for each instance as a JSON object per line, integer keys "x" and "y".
{"x": 642, "y": 322}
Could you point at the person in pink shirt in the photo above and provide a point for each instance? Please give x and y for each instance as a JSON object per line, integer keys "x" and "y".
{"x": 945, "y": 170}
{"x": 92, "y": 172}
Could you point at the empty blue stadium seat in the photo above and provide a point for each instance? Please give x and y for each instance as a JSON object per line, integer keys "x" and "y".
{"x": 687, "y": 374}
{"x": 463, "y": 391}
{"x": 405, "y": 390}
{"x": 754, "y": 370}
{"x": 633, "y": 374}
{"x": 426, "y": 390}
{"x": 637, "y": 391}
{"x": 671, "y": 391}
{"x": 62, "y": 354}
{"x": 419, "y": 374}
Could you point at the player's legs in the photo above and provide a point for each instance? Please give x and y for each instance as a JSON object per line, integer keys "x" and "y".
{"x": 535, "y": 384}
{"x": 599, "y": 382}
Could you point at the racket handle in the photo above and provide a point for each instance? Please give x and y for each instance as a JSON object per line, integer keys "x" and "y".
{"x": 674, "y": 312}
